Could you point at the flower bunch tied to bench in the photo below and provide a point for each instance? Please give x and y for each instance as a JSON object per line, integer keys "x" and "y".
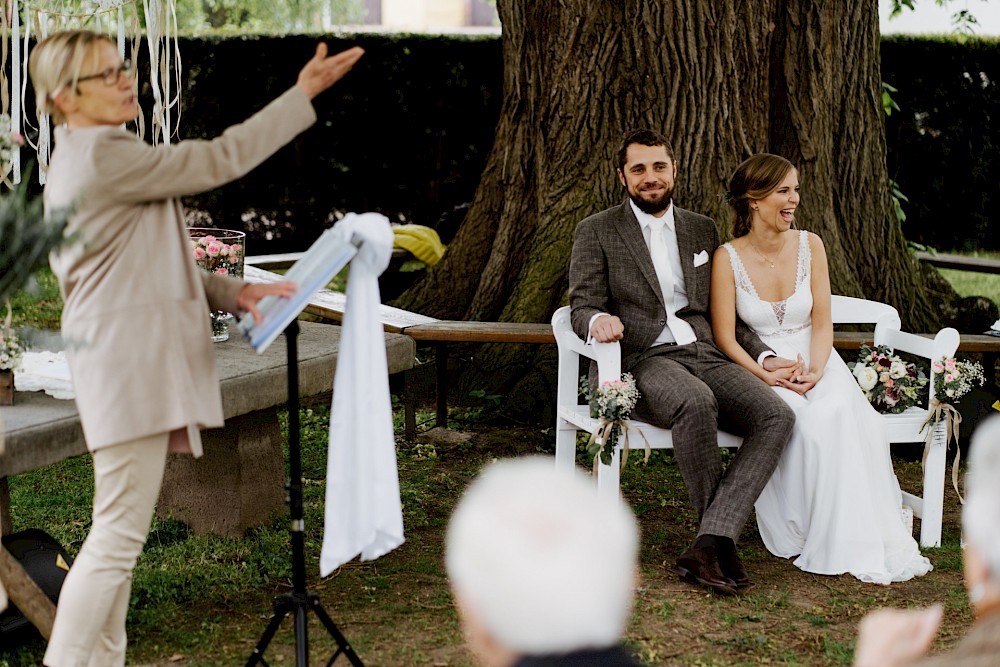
{"x": 612, "y": 405}
{"x": 953, "y": 379}
{"x": 890, "y": 384}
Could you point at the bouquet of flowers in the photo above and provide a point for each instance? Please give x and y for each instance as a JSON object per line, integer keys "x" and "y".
{"x": 890, "y": 384}
{"x": 218, "y": 251}
{"x": 11, "y": 347}
{"x": 954, "y": 379}
{"x": 217, "y": 256}
{"x": 612, "y": 404}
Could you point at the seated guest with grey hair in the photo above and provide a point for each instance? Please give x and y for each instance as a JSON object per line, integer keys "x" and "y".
{"x": 542, "y": 571}
{"x": 894, "y": 638}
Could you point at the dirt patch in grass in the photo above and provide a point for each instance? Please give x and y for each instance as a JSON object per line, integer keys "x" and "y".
{"x": 397, "y": 610}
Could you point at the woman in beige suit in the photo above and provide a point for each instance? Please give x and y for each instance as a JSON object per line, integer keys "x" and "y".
{"x": 136, "y": 305}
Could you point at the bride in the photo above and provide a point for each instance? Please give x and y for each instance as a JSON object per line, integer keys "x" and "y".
{"x": 833, "y": 501}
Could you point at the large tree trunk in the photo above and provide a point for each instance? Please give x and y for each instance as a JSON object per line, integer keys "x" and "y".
{"x": 723, "y": 80}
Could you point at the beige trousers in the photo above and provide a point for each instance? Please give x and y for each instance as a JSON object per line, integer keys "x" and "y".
{"x": 89, "y": 629}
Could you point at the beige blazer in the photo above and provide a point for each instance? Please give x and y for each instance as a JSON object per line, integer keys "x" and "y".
{"x": 136, "y": 305}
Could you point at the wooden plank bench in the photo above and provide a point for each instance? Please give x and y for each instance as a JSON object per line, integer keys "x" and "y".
{"x": 440, "y": 333}
{"x": 420, "y": 328}
{"x": 960, "y": 262}
{"x": 240, "y": 480}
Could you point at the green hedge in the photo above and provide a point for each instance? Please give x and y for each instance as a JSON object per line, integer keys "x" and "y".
{"x": 942, "y": 143}
{"x": 406, "y": 133}
{"x": 409, "y": 130}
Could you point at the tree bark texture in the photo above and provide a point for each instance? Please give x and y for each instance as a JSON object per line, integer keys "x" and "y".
{"x": 722, "y": 79}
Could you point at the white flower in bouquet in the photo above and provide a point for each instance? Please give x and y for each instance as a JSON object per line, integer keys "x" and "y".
{"x": 867, "y": 377}
{"x": 11, "y": 350}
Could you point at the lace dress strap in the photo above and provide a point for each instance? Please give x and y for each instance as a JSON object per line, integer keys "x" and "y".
{"x": 740, "y": 274}
{"x": 804, "y": 259}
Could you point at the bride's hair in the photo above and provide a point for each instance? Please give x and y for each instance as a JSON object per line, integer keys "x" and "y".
{"x": 754, "y": 179}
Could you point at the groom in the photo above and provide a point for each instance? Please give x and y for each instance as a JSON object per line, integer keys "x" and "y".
{"x": 640, "y": 273}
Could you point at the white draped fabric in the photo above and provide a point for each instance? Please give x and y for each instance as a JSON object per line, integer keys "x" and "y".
{"x": 363, "y": 511}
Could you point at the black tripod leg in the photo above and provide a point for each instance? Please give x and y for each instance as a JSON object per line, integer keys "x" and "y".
{"x": 344, "y": 646}
{"x": 272, "y": 627}
{"x": 301, "y": 637}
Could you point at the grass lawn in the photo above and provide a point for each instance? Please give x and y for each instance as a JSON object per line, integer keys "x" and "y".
{"x": 971, "y": 283}
{"x": 203, "y": 601}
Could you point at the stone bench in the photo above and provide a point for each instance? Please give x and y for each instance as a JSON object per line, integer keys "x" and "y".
{"x": 239, "y": 482}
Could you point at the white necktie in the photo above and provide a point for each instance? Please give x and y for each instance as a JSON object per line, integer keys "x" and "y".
{"x": 680, "y": 331}
{"x": 661, "y": 261}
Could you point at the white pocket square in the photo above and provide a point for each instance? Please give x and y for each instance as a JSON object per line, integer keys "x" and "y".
{"x": 700, "y": 258}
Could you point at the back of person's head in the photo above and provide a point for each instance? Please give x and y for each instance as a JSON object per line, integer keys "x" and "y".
{"x": 546, "y": 566}
{"x": 57, "y": 63}
{"x": 981, "y": 514}
{"x": 755, "y": 178}
{"x": 643, "y": 137}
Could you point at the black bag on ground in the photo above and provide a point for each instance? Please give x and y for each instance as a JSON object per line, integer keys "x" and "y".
{"x": 45, "y": 561}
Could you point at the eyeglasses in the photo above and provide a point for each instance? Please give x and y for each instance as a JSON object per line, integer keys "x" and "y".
{"x": 111, "y": 76}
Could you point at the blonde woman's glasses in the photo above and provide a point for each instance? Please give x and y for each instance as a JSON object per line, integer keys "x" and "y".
{"x": 111, "y": 76}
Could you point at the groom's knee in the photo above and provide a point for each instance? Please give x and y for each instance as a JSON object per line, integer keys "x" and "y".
{"x": 779, "y": 419}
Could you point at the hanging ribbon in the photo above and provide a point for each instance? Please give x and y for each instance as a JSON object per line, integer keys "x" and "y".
{"x": 938, "y": 410}
{"x": 119, "y": 19}
{"x": 603, "y": 434}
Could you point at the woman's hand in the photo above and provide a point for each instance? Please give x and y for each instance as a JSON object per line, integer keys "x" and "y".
{"x": 803, "y": 379}
{"x": 322, "y": 72}
{"x": 778, "y": 368}
{"x": 251, "y": 293}
{"x": 802, "y": 382}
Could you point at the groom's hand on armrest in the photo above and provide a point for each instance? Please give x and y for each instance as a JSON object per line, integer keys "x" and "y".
{"x": 606, "y": 329}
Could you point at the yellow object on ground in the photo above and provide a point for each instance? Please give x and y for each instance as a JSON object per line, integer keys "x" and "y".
{"x": 422, "y": 242}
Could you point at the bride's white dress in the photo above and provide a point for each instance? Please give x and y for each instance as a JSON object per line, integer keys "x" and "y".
{"x": 833, "y": 501}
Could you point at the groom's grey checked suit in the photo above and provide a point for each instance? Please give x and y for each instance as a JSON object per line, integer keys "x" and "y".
{"x": 690, "y": 389}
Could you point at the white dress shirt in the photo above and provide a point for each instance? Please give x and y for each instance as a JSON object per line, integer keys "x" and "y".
{"x": 677, "y": 330}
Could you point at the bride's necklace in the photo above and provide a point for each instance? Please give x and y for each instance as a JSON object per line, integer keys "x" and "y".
{"x": 764, "y": 257}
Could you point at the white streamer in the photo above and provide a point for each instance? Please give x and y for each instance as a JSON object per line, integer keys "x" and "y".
{"x": 119, "y": 19}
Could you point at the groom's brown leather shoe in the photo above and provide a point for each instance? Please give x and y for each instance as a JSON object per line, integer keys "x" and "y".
{"x": 700, "y": 565}
{"x": 732, "y": 566}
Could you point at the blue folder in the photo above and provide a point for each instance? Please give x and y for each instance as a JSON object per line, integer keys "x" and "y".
{"x": 325, "y": 258}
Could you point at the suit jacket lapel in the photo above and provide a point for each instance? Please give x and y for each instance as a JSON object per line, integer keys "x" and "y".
{"x": 630, "y": 231}
{"x": 687, "y": 246}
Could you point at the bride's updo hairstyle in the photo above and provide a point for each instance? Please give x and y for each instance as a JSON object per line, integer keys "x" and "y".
{"x": 754, "y": 179}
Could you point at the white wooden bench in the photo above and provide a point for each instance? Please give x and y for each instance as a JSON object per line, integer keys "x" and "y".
{"x": 574, "y": 416}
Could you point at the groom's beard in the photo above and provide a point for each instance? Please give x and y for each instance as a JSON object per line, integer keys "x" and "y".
{"x": 657, "y": 204}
